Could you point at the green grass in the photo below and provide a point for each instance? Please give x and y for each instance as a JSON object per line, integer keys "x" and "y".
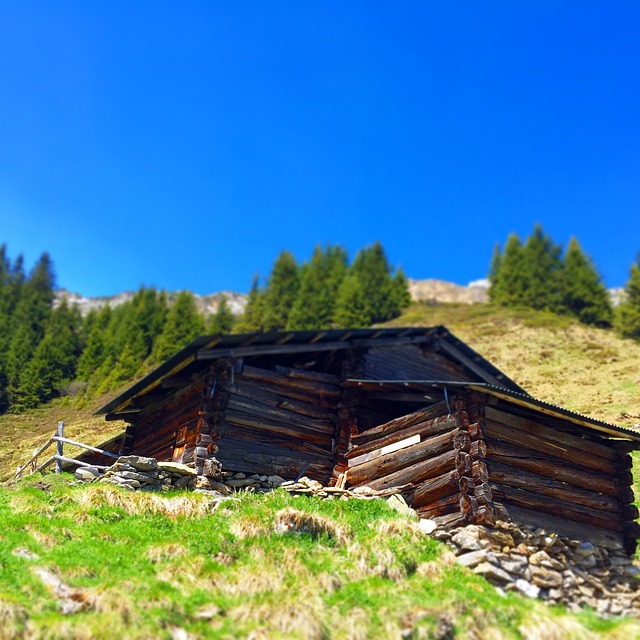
{"x": 147, "y": 565}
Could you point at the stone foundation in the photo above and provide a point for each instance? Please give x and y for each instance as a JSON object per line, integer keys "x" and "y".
{"x": 542, "y": 564}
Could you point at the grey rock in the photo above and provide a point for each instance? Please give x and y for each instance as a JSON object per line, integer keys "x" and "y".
{"x": 275, "y": 480}
{"x": 177, "y": 467}
{"x": 545, "y": 578}
{"x": 526, "y": 588}
{"x": 134, "y": 475}
{"x": 87, "y": 473}
{"x": 585, "y": 549}
{"x": 399, "y": 504}
{"x": 472, "y": 558}
{"x": 139, "y": 462}
{"x": 491, "y": 572}
{"x": 427, "y": 526}
{"x": 469, "y": 539}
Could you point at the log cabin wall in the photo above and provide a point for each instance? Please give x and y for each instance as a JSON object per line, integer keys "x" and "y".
{"x": 280, "y": 420}
{"x": 169, "y": 423}
{"x": 421, "y": 452}
{"x": 557, "y": 470}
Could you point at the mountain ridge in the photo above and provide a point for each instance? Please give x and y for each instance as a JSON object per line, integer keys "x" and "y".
{"x": 429, "y": 290}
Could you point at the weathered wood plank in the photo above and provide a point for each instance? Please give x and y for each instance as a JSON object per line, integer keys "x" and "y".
{"x": 568, "y": 438}
{"x": 553, "y": 506}
{"x": 433, "y": 489}
{"x": 310, "y": 386}
{"x": 429, "y": 468}
{"x": 277, "y": 427}
{"x": 401, "y": 459}
{"x": 398, "y": 424}
{"x": 502, "y": 432}
{"x": 245, "y": 405}
{"x": 551, "y": 467}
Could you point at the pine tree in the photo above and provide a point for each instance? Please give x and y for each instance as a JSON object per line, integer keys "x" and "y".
{"x": 585, "y": 296}
{"x": 95, "y": 351}
{"x": 222, "y": 321}
{"x": 11, "y": 281}
{"x": 543, "y": 262}
{"x": 184, "y": 323}
{"x": 400, "y": 291}
{"x": 628, "y": 316}
{"x": 30, "y": 320}
{"x": 352, "y": 310}
{"x": 253, "y": 317}
{"x": 510, "y": 278}
{"x": 54, "y": 362}
{"x": 320, "y": 280}
{"x": 281, "y": 292}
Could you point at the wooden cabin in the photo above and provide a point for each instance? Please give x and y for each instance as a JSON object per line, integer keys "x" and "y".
{"x": 414, "y": 408}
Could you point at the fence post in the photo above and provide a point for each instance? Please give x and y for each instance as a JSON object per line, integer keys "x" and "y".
{"x": 60, "y": 435}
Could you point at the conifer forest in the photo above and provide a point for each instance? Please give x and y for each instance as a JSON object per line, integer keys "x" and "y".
{"x": 49, "y": 350}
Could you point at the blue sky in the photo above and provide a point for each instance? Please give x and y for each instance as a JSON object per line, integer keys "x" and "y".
{"x": 185, "y": 144}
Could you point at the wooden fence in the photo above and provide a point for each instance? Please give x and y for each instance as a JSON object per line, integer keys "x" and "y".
{"x": 59, "y": 458}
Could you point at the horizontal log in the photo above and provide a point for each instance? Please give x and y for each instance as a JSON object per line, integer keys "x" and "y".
{"x": 308, "y": 407}
{"x": 448, "y": 521}
{"x": 424, "y": 429}
{"x": 397, "y": 424}
{"x": 314, "y": 387}
{"x": 485, "y": 516}
{"x": 429, "y": 468}
{"x": 468, "y": 506}
{"x": 401, "y": 459}
{"x": 567, "y": 438}
{"x": 551, "y": 467}
{"x": 513, "y": 477}
{"x": 245, "y": 405}
{"x": 467, "y": 485}
{"x": 444, "y": 506}
{"x": 306, "y": 396}
{"x": 553, "y": 506}
{"x": 433, "y": 489}
{"x": 275, "y": 426}
{"x": 312, "y": 376}
{"x": 498, "y": 431}
{"x": 475, "y": 431}
{"x": 483, "y": 493}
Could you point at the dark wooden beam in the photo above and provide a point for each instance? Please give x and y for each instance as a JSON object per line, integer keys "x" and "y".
{"x": 276, "y": 349}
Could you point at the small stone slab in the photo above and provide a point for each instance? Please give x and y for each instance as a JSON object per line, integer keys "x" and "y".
{"x": 177, "y": 467}
{"x": 139, "y": 462}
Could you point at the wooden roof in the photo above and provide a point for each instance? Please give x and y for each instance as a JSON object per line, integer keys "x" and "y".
{"x": 198, "y": 354}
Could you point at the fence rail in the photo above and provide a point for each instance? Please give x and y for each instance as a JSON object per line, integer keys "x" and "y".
{"x": 59, "y": 458}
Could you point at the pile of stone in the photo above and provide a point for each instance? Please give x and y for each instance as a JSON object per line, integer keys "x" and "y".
{"x": 137, "y": 473}
{"x": 539, "y": 564}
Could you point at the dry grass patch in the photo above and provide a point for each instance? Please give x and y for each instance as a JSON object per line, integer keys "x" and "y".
{"x": 12, "y": 619}
{"x": 292, "y": 521}
{"x": 165, "y": 552}
{"x": 298, "y": 619}
{"x": 193, "y": 505}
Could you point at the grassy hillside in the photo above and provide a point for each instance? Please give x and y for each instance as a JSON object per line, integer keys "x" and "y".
{"x": 94, "y": 562}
